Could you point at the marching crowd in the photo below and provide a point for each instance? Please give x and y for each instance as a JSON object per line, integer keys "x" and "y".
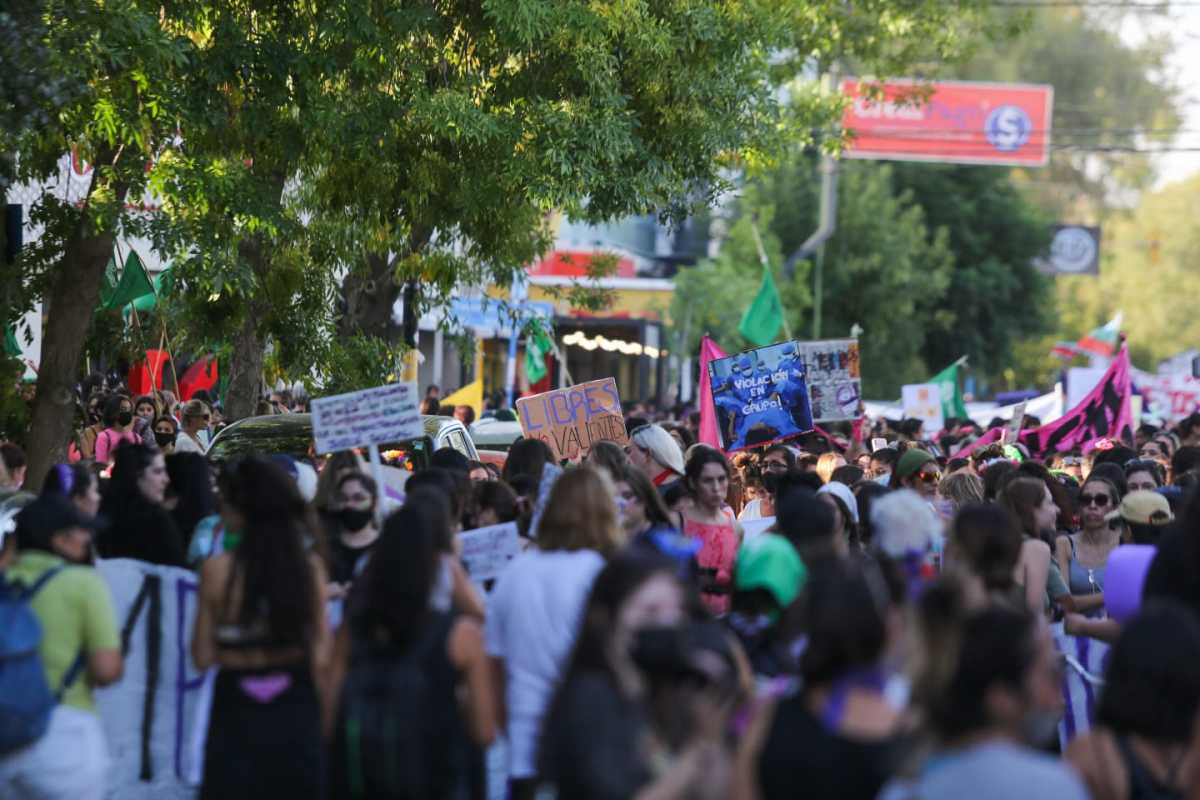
{"x": 812, "y": 619}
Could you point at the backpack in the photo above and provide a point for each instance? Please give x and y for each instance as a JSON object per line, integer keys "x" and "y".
{"x": 390, "y": 737}
{"x": 25, "y": 697}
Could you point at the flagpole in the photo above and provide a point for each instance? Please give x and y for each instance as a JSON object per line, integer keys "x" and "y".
{"x": 762, "y": 259}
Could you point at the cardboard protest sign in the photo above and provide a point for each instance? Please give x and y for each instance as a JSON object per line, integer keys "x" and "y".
{"x": 572, "y": 420}
{"x": 760, "y": 396}
{"x": 487, "y": 551}
{"x": 923, "y": 401}
{"x": 382, "y": 415}
{"x": 834, "y": 378}
{"x": 150, "y": 714}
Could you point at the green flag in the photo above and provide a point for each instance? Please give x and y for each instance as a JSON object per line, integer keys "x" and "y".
{"x": 537, "y": 347}
{"x": 11, "y": 346}
{"x": 133, "y": 284}
{"x": 762, "y": 320}
{"x": 952, "y": 399}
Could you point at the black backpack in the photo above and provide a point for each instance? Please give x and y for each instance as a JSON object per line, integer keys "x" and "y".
{"x": 391, "y": 730}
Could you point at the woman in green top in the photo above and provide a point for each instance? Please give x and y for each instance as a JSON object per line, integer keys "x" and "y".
{"x": 79, "y": 650}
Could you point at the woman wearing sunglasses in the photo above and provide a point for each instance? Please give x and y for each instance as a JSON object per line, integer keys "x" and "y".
{"x": 1082, "y": 556}
{"x": 917, "y": 470}
{"x": 196, "y": 418}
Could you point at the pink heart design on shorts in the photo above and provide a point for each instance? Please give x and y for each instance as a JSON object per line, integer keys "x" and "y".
{"x": 268, "y": 687}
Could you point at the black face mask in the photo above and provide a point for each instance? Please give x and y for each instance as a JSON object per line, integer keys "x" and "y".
{"x": 164, "y": 439}
{"x": 124, "y": 418}
{"x": 354, "y": 519}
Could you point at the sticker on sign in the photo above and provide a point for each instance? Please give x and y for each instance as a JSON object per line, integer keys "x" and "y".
{"x": 381, "y": 415}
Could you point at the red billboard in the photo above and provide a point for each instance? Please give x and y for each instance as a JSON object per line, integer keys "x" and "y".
{"x": 1006, "y": 124}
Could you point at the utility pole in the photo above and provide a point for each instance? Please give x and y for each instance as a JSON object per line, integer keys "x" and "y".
{"x": 814, "y": 245}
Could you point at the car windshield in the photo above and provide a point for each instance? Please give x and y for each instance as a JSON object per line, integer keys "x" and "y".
{"x": 279, "y": 435}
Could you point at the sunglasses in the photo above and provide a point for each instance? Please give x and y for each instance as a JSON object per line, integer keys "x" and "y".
{"x": 929, "y": 477}
{"x": 1098, "y": 500}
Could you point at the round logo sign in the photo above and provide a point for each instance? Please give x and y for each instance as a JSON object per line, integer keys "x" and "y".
{"x": 1008, "y": 128}
{"x": 1073, "y": 250}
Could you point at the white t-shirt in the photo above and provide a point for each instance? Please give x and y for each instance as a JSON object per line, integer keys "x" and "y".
{"x": 534, "y": 614}
{"x": 751, "y": 511}
{"x": 186, "y": 444}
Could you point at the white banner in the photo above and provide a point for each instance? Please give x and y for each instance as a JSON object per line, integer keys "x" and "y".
{"x": 149, "y": 715}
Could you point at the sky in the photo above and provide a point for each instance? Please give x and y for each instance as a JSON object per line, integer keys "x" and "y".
{"x": 1185, "y": 23}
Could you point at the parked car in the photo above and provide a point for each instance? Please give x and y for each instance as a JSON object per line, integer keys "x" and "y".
{"x": 291, "y": 434}
{"x": 494, "y": 434}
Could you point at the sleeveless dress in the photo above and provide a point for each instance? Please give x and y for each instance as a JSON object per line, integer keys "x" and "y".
{"x": 269, "y": 718}
{"x": 1085, "y": 580}
{"x": 718, "y": 551}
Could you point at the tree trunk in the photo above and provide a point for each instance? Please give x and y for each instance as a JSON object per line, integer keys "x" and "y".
{"x": 371, "y": 296}
{"x": 249, "y": 343}
{"x": 67, "y": 312}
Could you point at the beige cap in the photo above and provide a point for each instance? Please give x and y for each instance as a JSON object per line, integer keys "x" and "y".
{"x": 1143, "y": 508}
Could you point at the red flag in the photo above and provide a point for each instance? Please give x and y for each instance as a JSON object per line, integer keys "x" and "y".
{"x": 709, "y": 434}
{"x": 200, "y": 375}
{"x": 146, "y": 376}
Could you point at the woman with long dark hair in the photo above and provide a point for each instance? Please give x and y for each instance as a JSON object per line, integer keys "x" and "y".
{"x": 707, "y": 477}
{"x": 1030, "y": 502}
{"x": 118, "y": 428}
{"x": 76, "y": 483}
{"x": 190, "y": 495}
{"x": 261, "y": 618}
{"x": 394, "y": 638}
{"x": 606, "y": 736}
{"x": 139, "y": 524}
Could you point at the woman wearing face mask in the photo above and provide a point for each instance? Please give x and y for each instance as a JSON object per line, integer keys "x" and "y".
{"x": 79, "y": 650}
{"x": 94, "y": 425}
{"x": 839, "y": 737}
{"x": 166, "y": 431}
{"x": 76, "y": 483}
{"x": 356, "y": 498}
{"x": 600, "y": 740}
{"x": 1082, "y": 556}
{"x": 709, "y": 522}
{"x": 999, "y": 696}
{"x": 193, "y": 438}
{"x": 145, "y": 411}
{"x": 118, "y": 419}
{"x": 139, "y": 524}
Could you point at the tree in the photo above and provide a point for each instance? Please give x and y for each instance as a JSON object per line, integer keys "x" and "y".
{"x": 117, "y": 60}
{"x": 710, "y": 298}
{"x": 995, "y": 295}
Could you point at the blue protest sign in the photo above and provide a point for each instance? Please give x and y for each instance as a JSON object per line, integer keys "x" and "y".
{"x": 761, "y": 396}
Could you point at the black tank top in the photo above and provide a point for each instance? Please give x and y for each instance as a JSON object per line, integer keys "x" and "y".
{"x": 801, "y": 758}
{"x": 1142, "y": 785}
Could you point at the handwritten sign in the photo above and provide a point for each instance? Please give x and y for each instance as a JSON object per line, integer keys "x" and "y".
{"x": 1013, "y": 431}
{"x": 487, "y": 551}
{"x": 382, "y": 415}
{"x": 572, "y": 420}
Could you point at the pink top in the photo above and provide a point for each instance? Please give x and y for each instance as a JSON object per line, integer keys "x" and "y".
{"x": 718, "y": 550}
{"x": 109, "y": 440}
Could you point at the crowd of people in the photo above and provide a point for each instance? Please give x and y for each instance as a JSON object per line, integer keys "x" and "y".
{"x": 811, "y": 618}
